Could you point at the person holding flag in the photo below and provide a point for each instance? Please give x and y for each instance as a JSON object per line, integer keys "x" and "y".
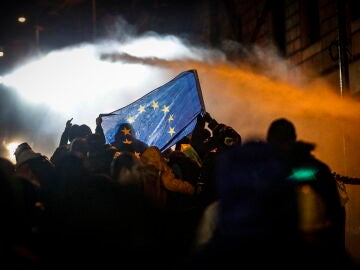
{"x": 160, "y": 118}
{"x": 125, "y": 140}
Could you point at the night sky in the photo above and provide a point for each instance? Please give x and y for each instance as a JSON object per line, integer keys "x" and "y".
{"x": 64, "y": 22}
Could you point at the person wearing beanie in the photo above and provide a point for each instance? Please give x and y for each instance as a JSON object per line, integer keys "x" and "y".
{"x": 36, "y": 167}
{"x": 24, "y": 153}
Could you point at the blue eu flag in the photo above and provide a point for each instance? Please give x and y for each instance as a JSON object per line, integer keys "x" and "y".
{"x": 163, "y": 116}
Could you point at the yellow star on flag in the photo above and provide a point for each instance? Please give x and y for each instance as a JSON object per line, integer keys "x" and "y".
{"x": 126, "y": 131}
{"x": 131, "y": 119}
{"x": 127, "y": 141}
{"x": 155, "y": 104}
{"x": 171, "y": 131}
{"x": 165, "y": 109}
{"x": 171, "y": 118}
{"x": 141, "y": 109}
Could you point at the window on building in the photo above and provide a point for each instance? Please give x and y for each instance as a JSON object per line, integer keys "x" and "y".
{"x": 310, "y": 22}
{"x": 354, "y": 6}
{"x": 278, "y": 13}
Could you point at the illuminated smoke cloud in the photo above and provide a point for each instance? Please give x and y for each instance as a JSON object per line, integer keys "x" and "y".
{"x": 105, "y": 75}
{"x": 86, "y": 80}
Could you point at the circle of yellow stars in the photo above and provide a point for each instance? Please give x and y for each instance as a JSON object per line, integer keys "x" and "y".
{"x": 154, "y": 105}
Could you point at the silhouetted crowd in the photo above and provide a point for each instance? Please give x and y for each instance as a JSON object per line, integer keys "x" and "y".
{"x": 210, "y": 201}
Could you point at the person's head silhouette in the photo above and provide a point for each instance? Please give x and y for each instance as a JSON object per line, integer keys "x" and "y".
{"x": 126, "y": 140}
{"x": 125, "y": 130}
{"x": 281, "y": 131}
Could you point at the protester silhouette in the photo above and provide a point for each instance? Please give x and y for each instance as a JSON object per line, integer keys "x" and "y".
{"x": 254, "y": 220}
{"x": 126, "y": 141}
{"x": 321, "y": 214}
{"x": 36, "y": 178}
{"x": 71, "y": 133}
{"x": 99, "y": 155}
{"x": 210, "y": 138}
{"x": 277, "y": 204}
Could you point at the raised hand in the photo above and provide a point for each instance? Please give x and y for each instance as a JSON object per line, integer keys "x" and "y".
{"x": 98, "y": 120}
{"x": 68, "y": 123}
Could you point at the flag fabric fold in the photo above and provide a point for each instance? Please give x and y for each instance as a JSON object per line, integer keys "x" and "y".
{"x": 163, "y": 116}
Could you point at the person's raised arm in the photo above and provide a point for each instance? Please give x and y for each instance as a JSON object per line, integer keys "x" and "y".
{"x": 99, "y": 130}
{"x": 65, "y": 135}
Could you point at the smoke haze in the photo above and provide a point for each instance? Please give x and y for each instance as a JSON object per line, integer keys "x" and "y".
{"x": 86, "y": 80}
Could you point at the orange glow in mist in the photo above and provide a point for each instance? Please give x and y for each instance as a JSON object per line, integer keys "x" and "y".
{"x": 249, "y": 101}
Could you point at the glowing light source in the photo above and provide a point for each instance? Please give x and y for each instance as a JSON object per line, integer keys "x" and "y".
{"x": 303, "y": 174}
{"x": 168, "y": 48}
{"x": 11, "y": 147}
{"x": 21, "y": 19}
{"x": 65, "y": 79}
{"x": 76, "y": 80}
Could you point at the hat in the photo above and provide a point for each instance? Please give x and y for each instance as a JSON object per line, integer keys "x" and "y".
{"x": 24, "y": 153}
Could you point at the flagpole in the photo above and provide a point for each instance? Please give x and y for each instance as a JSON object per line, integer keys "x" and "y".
{"x": 199, "y": 90}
